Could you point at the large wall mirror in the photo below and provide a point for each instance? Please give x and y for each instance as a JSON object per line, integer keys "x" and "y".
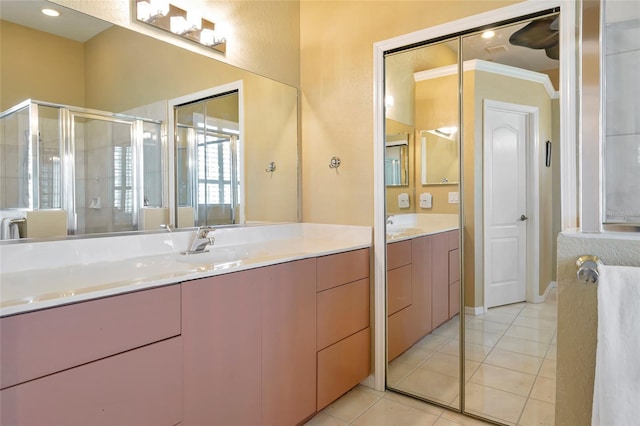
{"x": 91, "y": 145}
{"x": 471, "y": 305}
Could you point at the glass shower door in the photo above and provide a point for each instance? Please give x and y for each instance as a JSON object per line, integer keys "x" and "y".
{"x": 105, "y": 196}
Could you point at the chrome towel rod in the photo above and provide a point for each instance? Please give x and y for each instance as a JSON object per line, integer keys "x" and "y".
{"x": 588, "y": 268}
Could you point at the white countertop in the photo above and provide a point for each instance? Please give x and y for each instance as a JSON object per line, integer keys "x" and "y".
{"x": 407, "y": 226}
{"x": 46, "y": 274}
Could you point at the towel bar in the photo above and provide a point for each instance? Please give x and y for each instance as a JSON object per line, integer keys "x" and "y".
{"x": 19, "y": 220}
{"x": 588, "y": 268}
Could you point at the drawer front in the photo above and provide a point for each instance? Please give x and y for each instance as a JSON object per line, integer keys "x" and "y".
{"x": 39, "y": 343}
{"x": 454, "y": 299}
{"x": 454, "y": 239}
{"x": 400, "y": 332}
{"x": 342, "y": 366}
{"x": 398, "y": 289}
{"x": 398, "y": 254}
{"x": 140, "y": 387}
{"x": 342, "y": 268}
{"x": 454, "y": 266}
{"x": 342, "y": 311}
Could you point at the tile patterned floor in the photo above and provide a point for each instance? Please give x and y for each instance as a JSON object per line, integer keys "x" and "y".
{"x": 509, "y": 373}
{"x": 363, "y": 406}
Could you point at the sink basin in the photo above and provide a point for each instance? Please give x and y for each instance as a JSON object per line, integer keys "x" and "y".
{"x": 215, "y": 256}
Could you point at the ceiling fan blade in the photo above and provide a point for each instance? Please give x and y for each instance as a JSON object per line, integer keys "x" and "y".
{"x": 553, "y": 52}
{"x": 536, "y": 35}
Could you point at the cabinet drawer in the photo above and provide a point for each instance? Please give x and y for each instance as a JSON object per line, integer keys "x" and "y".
{"x": 139, "y": 387}
{"x": 342, "y": 268}
{"x": 342, "y": 366}
{"x": 39, "y": 343}
{"x": 400, "y": 332}
{"x": 454, "y": 266}
{"x": 454, "y": 299}
{"x": 398, "y": 289}
{"x": 454, "y": 239}
{"x": 342, "y": 311}
{"x": 398, "y": 254}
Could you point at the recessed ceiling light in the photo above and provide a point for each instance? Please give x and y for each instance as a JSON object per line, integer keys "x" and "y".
{"x": 488, "y": 34}
{"x": 50, "y": 12}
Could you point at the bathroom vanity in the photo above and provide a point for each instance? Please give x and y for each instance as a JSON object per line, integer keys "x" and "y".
{"x": 268, "y": 327}
{"x": 423, "y": 278}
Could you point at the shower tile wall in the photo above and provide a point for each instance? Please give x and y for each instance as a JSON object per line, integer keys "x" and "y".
{"x": 94, "y": 174}
{"x": 154, "y": 174}
{"x": 622, "y": 108}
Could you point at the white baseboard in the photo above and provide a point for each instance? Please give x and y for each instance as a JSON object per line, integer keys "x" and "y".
{"x": 474, "y": 310}
{"x": 541, "y": 299}
{"x": 370, "y": 382}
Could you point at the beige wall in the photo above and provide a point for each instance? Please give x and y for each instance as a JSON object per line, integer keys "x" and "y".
{"x": 25, "y": 53}
{"x": 578, "y": 320}
{"x": 336, "y": 66}
{"x": 263, "y": 36}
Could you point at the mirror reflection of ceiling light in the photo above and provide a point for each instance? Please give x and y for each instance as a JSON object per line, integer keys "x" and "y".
{"x": 388, "y": 101}
{"x": 50, "y": 12}
{"x": 447, "y": 132}
{"x": 488, "y": 34}
{"x": 186, "y": 24}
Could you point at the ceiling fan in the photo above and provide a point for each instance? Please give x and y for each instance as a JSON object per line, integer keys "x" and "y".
{"x": 539, "y": 34}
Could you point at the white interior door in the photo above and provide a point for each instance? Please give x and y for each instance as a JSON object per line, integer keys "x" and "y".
{"x": 506, "y": 136}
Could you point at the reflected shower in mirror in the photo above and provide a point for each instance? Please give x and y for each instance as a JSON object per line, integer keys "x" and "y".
{"x": 206, "y": 149}
{"x": 122, "y": 72}
{"x": 423, "y": 281}
{"x": 396, "y": 159}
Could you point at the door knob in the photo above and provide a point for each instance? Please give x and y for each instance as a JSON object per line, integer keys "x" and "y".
{"x": 523, "y": 218}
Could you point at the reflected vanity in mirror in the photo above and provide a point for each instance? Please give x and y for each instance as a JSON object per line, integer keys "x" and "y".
{"x": 96, "y": 152}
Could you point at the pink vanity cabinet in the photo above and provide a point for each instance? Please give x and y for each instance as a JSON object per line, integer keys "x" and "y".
{"x": 115, "y": 360}
{"x": 250, "y": 346}
{"x": 343, "y": 333}
{"x": 454, "y": 273}
{"x": 423, "y": 287}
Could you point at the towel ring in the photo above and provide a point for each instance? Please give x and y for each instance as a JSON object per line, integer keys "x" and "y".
{"x": 588, "y": 268}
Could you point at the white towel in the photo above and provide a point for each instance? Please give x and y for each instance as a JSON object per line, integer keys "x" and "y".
{"x": 4, "y": 228}
{"x": 616, "y": 392}
{"x": 8, "y": 230}
{"x": 14, "y": 231}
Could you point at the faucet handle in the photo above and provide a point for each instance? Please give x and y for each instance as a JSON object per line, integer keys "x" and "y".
{"x": 203, "y": 231}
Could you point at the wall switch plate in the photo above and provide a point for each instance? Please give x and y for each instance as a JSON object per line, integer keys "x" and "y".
{"x": 454, "y": 198}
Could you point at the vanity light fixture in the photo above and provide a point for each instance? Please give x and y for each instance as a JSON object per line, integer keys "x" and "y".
{"x": 186, "y": 24}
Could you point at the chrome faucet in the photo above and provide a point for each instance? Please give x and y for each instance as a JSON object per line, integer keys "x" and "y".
{"x": 201, "y": 241}
{"x": 390, "y": 220}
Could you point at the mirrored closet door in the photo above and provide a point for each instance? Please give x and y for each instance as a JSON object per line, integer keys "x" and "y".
{"x": 423, "y": 280}
{"x": 471, "y": 235}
